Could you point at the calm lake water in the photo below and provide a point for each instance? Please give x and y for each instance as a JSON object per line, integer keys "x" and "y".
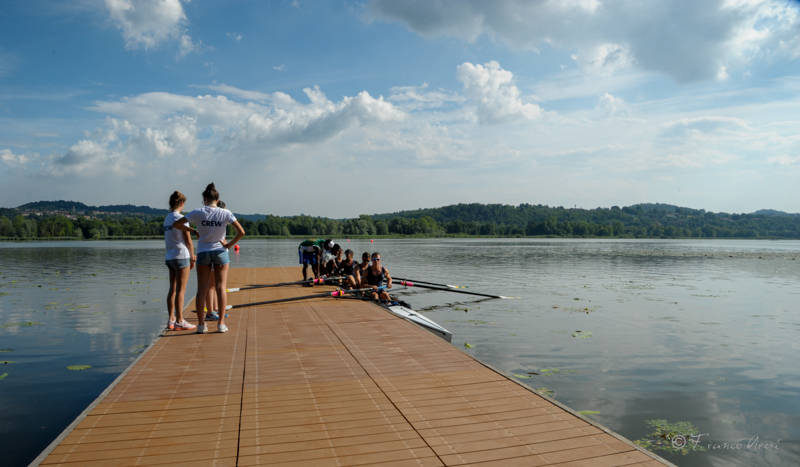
{"x": 700, "y": 332}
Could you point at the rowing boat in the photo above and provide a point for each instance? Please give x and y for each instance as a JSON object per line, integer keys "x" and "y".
{"x": 422, "y": 321}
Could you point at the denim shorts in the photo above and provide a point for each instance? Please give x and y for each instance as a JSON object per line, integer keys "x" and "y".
{"x": 207, "y": 258}
{"x": 177, "y": 264}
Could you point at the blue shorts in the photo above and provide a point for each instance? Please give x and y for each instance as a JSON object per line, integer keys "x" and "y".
{"x": 207, "y": 258}
{"x": 177, "y": 264}
{"x": 308, "y": 257}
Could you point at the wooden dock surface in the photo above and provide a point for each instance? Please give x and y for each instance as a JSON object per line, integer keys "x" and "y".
{"x": 325, "y": 382}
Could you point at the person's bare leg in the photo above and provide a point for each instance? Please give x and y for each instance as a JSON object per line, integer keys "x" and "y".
{"x": 203, "y": 273}
{"x": 180, "y": 292}
{"x": 171, "y": 295}
{"x": 211, "y": 299}
{"x": 221, "y": 277}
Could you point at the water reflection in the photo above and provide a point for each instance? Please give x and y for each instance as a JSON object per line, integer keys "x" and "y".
{"x": 703, "y": 331}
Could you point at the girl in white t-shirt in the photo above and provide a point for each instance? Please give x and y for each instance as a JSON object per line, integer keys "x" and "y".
{"x": 180, "y": 260}
{"x": 212, "y": 249}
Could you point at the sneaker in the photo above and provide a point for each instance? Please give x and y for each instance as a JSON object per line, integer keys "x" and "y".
{"x": 202, "y": 329}
{"x": 212, "y": 316}
{"x": 222, "y": 328}
{"x": 184, "y": 326}
{"x": 170, "y": 325}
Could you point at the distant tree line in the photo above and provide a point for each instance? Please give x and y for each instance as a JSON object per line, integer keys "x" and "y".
{"x": 638, "y": 221}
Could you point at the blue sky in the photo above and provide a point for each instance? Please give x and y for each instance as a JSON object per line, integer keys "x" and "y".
{"x": 341, "y": 108}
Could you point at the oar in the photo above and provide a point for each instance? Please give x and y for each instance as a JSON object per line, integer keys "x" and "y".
{"x": 446, "y": 289}
{"x": 280, "y": 284}
{"x": 450, "y": 286}
{"x": 335, "y": 293}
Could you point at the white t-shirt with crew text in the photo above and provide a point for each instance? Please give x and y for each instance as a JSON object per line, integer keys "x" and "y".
{"x": 173, "y": 238}
{"x": 211, "y": 223}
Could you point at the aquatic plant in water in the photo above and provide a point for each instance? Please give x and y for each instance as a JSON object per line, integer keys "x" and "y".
{"x": 674, "y": 437}
{"x": 78, "y": 367}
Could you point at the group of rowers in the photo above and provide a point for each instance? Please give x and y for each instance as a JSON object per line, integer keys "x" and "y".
{"x": 326, "y": 260}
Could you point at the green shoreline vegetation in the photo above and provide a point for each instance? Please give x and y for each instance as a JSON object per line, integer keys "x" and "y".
{"x": 66, "y": 220}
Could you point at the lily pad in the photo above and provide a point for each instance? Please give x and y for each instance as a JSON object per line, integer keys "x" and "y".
{"x": 3, "y": 376}
{"x": 582, "y": 334}
{"x": 588, "y": 412}
{"x": 549, "y": 371}
{"x": 478, "y": 321}
{"x": 521, "y": 376}
{"x": 546, "y": 391}
{"x": 3, "y": 294}
{"x": 21, "y": 324}
{"x": 78, "y": 367}
{"x": 6, "y": 362}
{"x": 6, "y": 350}
{"x": 674, "y": 437}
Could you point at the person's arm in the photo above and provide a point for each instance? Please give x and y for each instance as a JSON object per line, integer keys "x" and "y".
{"x": 183, "y": 224}
{"x": 388, "y": 278}
{"x": 239, "y": 235}
{"x": 187, "y": 239}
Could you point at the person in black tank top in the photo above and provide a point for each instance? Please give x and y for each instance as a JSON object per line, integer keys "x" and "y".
{"x": 347, "y": 268}
{"x": 375, "y": 276}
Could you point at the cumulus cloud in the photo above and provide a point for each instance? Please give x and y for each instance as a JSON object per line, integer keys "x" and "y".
{"x": 611, "y": 105}
{"x": 420, "y": 97}
{"x": 147, "y": 23}
{"x": 493, "y": 91}
{"x": 10, "y": 159}
{"x": 153, "y": 129}
{"x": 702, "y": 126}
{"x": 235, "y": 36}
{"x": 685, "y": 40}
{"x": 237, "y": 92}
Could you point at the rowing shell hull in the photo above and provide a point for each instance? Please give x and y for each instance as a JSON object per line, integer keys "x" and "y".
{"x": 418, "y": 319}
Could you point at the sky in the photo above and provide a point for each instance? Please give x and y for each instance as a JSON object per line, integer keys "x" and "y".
{"x": 340, "y": 108}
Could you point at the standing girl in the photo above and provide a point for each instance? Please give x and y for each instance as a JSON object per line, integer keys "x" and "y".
{"x": 212, "y": 249}
{"x": 180, "y": 260}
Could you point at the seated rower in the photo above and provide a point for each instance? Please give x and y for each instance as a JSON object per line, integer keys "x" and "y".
{"x": 375, "y": 276}
{"x": 361, "y": 270}
{"x": 347, "y": 268}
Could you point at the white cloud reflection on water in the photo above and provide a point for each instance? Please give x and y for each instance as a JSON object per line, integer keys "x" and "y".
{"x": 702, "y": 331}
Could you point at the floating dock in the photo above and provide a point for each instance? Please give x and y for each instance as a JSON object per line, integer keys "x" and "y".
{"x": 324, "y": 382}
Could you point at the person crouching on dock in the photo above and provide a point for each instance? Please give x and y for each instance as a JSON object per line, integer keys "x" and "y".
{"x": 212, "y": 249}
{"x": 309, "y": 252}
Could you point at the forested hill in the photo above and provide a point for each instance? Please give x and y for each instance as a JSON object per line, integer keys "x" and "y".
{"x": 76, "y": 208}
{"x": 640, "y": 220}
{"x": 48, "y": 219}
